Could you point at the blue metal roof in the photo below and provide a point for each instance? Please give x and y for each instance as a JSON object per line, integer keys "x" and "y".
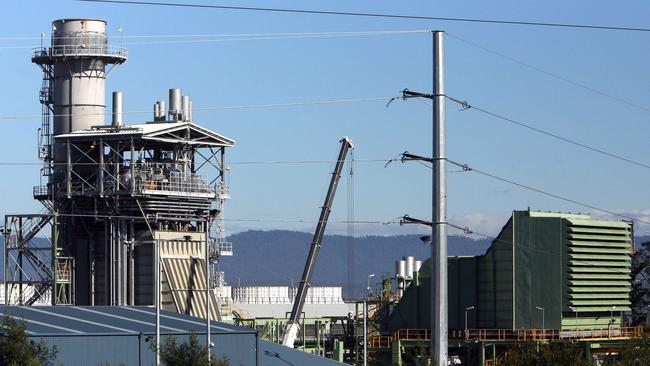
{"x": 119, "y": 331}
{"x": 273, "y": 354}
{"x": 110, "y": 320}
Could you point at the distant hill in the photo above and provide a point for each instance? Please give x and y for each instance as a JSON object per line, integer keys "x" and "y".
{"x": 276, "y": 257}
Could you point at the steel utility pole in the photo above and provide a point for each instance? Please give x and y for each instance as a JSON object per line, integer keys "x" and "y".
{"x": 439, "y": 310}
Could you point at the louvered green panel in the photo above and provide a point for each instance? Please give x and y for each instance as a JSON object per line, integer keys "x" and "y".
{"x": 610, "y": 302}
{"x": 598, "y": 237}
{"x": 601, "y": 289}
{"x": 598, "y": 269}
{"x": 608, "y": 276}
{"x": 577, "y": 222}
{"x": 596, "y": 249}
{"x": 599, "y": 244}
{"x": 598, "y": 295}
{"x": 599, "y": 256}
{"x": 594, "y": 282}
{"x": 595, "y": 230}
{"x": 597, "y": 265}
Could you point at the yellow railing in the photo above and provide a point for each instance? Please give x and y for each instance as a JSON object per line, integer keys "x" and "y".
{"x": 380, "y": 341}
{"x": 524, "y": 335}
{"x": 519, "y": 335}
{"x": 413, "y": 334}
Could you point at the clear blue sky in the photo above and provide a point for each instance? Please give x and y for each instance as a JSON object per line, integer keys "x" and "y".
{"x": 277, "y": 71}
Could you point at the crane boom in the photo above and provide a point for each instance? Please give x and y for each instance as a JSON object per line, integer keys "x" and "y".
{"x": 291, "y": 328}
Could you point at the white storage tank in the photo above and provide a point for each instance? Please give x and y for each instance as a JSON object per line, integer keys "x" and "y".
{"x": 410, "y": 266}
{"x": 418, "y": 265}
{"x": 400, "y": 268}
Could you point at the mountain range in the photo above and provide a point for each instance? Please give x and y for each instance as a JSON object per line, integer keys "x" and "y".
{"x": 277, "y": 257}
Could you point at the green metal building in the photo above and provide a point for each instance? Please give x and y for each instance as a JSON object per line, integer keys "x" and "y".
{"x": 544, "y": 270}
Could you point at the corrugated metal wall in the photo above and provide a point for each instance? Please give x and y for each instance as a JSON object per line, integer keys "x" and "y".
{"x": 462, "y": 291}
{"x": 495, "y": 282}
{"x": 183, "y": 274}
{"x": 538, "y": 270}
{"x": 84, "y": 350}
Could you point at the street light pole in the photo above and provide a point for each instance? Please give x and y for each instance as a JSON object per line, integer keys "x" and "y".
{"x": 368, "y": 286}
{"x": 466, "y": 310}
{"x": 365, "y": 322}
{"x": 365, "y": 332}
{"x": 543, "y": 325}
{"x": 611, "y": 320}
{"x": 207, "y": 289}
{"x": 157, "y": 297}
{"x": 467, "y": 351}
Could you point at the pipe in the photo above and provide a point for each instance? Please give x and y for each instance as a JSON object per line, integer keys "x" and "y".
{"x": 163, "y": 111}
{"x": 118, "y": 109}
{"x": 175, "y": 103}
{"x": 185, "y": 106}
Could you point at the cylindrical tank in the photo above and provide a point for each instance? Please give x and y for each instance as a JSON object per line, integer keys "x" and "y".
{"x": 400, "y": 268}
{"x": 156, "y": 111}
{"x": 76, "y": 57}
{"x": 191, "y": 111}
{"x": 410, "y": 262}
{"x": 185, "y": 106}
{"x": 79, "y": 80}
{"x": 163, "y": 111}
{"x": 118, "y": 109}
{"x": 418, "y": 264}
{"x": 175, "y": 103}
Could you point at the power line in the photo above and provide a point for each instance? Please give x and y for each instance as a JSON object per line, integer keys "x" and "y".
{"x": 219, "y": 108}
{"x": 261, "y": 37}
{"x": 551, "y": 74}
{"x": 378, "y": 15}
{"x": 466, "y": 167}
{"x": 217, "y": 35}
{"x": 300, "y": 221}
{"x": 242, "y": 162}
{"x": 466, "y": 105}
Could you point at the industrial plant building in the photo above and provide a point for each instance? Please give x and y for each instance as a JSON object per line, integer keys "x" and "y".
{"x": 544, "y": 270}
{"x": 117, "y": 196}
{"x": 133, "y": 214}
{"x": 132, "y": 221}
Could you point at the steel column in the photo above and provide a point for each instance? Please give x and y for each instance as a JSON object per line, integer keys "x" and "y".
{"x": 131, "y": 264}
{"x": 101, "y": 167}
{"x": 206, "y": 229}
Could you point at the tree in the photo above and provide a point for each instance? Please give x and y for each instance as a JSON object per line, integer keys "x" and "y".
{"x": 560, "y": 354}
{"x": 190, "y": 353}
{"x": 16, "y": 349}
{"x": 637, "y": 356}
